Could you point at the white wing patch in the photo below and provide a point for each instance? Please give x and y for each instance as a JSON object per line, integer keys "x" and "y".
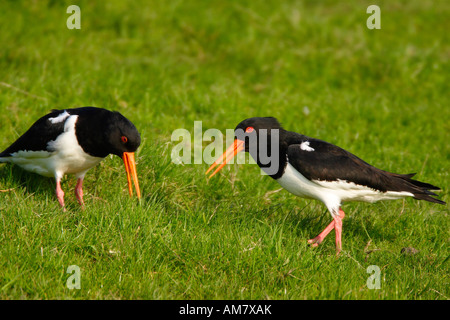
{"x": 60, "y": 118}
{"x": 305, "y": 146}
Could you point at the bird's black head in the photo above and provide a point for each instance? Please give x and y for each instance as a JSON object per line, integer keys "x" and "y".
{"x": 124, "y": 139}
{"x": 261, "y": 138}
{"x": 250, "y": 129}
{"x": 122, "y": 135}
{"x": 259, "y": 123}
{"x": 101, "y": 132}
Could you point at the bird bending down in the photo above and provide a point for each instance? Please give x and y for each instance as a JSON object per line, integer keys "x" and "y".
{"x": 315, "y": 169}
{"x": 72, "y": 141}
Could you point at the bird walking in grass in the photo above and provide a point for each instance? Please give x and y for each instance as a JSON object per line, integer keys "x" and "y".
{"x": 72, "y": 141}
{"x": 315, "y": 169}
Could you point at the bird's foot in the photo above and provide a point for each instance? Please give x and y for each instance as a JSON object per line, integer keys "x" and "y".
{"x": 336, "y": 224}
{"x": 315, "y": 241}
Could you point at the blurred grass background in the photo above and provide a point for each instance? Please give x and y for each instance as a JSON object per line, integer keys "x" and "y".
{"x": 381, "y": 94}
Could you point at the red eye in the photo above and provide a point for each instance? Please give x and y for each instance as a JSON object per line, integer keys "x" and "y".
{"x": 249, "y": 129}
{"x": 124, "y": 139}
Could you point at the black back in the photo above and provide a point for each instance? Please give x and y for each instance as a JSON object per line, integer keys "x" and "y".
{"x": 37, "y": 136}
{"x": 330, "y": 163}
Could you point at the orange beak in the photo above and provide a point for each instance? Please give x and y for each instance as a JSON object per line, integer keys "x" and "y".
{"x": 229, "y": 154}
{"x": 130, "y": 167}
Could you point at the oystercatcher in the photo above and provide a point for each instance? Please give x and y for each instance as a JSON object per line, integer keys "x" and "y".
{"x": 315, "y": 169}
{"x": 72, "y": 141}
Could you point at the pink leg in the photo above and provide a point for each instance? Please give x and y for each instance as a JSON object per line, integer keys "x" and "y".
{"x": 338, "y": 231}
{"x": 335, "y": 224}
{"x": 60, "y": 194}
{"x": 79, "y": 192}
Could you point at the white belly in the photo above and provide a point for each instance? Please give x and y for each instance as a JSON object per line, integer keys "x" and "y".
{"x": 294, "y": 182}
{"x": 53, "y": 164}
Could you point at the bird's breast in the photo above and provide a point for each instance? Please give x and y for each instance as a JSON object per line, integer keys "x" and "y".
{"x": 294, "y": 182}
{"x": 67, "y": 154}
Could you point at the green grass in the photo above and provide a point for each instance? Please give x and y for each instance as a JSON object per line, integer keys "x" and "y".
{"x": 381, "y": 94}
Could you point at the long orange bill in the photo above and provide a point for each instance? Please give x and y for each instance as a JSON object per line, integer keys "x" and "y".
{"x": 229, "y": 154}
{"x": 130, "y": 167}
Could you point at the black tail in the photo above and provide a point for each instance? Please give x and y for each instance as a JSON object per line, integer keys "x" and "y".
{"x": 421, "y": 190}
{"x": 2, "y": 155}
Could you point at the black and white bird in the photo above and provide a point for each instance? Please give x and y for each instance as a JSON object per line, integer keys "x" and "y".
{"x": 315, "y": 169}
{"x": 72, "y": 141}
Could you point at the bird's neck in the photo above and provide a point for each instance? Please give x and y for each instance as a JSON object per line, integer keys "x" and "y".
{"x": 271, "y": 152}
